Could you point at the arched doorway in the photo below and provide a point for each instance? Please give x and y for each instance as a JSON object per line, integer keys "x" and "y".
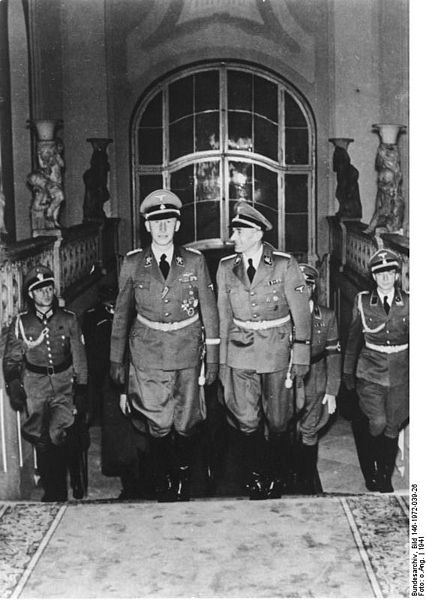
{"x": 219, "y": 133}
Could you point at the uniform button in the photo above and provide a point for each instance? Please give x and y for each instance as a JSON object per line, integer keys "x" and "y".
{"x": 166, "y": 300}
{"x": 387, "y": 341}
{"x": 252, "y": 293}
{"x": 253, "y": 304}
{"x": 167, "y": 314}
{"x": 255, "y": 316}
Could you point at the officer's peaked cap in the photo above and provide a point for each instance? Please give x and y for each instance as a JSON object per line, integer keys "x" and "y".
{"x": 38, "y": 277}
{"x": 384, "y": 260}
{"x": 248, "y": 216}
{"x": 310, "y": 273}
{"x": 161, "y": 204}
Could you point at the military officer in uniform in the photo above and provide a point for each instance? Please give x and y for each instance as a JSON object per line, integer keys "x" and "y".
{"x": 321, "y": 384}
{"x": 263, "y": 307}
{"x": 45, "y": 371}
{"x": 376, "y": 363}
{"x": 166, "y": 300}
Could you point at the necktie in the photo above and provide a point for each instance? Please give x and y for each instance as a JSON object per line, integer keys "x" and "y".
{"x": 386, "y": 305}
{"x": 250, "y": 270}
{"x": 164, "y": 266}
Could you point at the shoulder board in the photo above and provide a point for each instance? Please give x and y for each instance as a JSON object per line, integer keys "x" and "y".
{"x": 70, "y": 312}
{"x": 227, "y": 257}
{"x": 278, "y": 253}
{"x": 363, "y": 293}
{"x": 193, "y": 250}
{"x": 134, "y": 251}
{"x": 91, "y": 310}
{"x": 21, "y": 314}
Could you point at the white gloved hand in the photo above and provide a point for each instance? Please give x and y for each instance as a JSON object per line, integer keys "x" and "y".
{"x": 124, "y": 405}
{"x": 331, "y": 401}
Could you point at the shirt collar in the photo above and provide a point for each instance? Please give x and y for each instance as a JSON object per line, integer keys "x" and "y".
{"x": 158, "y": 252}
{"x": 256, "y": 256}
{"x": 389, "y": 296}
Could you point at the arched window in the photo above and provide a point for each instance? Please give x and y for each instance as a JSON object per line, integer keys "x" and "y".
{"x": 223, "y": 133}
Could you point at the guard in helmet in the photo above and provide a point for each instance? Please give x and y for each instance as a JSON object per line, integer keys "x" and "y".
{"x": 376, "y": 364}
{"x": 321, "y": 384}
{"x": 45, "y": 372}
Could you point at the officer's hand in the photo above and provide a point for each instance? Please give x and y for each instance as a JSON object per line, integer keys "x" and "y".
{"x": 124, "y": 405}
{"x": 299, "y": 371}
{"x": 80, "y": 398}
{"x": 349, "y": 381}
{"x": 331, "y": 401}
{"x": 117, "y": 373}
{"x": 211, "y": 372}
{"x": 17, "y": 395}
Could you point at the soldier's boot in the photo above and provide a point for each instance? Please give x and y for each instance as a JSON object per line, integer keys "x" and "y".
{"x": 75, "y": 463}
{"x": 184, "y": 448}
{"x": 254, "y": 451}
{"x": 368, "y": 452}
{"x": 308, "y": 466}
{"x": 389, "y": 448}
{"x": 52, "y": 467}
{"x": 278, "y": 456}
{"x": 162, "y": 449}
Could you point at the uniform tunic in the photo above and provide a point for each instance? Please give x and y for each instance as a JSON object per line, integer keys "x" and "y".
{"x": 258, "y": 359}
{"x": 167, "y": 363}
{"x": 382, "y": 370}
{"x": 46, "y": 340}
{"x": 324, "y": 374}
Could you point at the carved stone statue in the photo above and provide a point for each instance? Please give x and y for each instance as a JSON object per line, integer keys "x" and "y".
{"x": 46, "y": 185}
{"x": 95, "y": 180}
{"x": 389, "y": 210}
{"x": 347, "y": 189}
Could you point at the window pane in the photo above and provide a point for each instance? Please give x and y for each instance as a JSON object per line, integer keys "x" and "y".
{"x": 181, "y": 135}
{"x": 266, "y": 98}
{"x": 293, "y": 115}
{"x": 208, "y": 220}
{"x": 240, "y": 128}
{"x": 207, "y": 131}
{"x": 208, "y": 183}
{"x": 206, "y": 91}
{"x": 265, "y": 189}
{"x": 296, "y": 233}
{"x": 240, "y": 181}
{"x": 153, "y": 114}
{"x": 265, "y": 138}
{"x": 296, "y": 194}
{"x": 147, "y": 184}
{"x": 150, "y": 145}
{"x": 182, "y": 184}
{"x": 239, "y": 90}
{"x": 296, "y": 147}
{"x": 181, "y": 103}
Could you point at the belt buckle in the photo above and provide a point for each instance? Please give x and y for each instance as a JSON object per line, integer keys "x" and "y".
{"x": 50, "y": 370}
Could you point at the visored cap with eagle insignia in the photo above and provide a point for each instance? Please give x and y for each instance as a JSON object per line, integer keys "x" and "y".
{"x": 247, "y": 216}
{"x": 161, "y": 204}
{"x": 384, "y": 260}
{"x": 38, "y": 277}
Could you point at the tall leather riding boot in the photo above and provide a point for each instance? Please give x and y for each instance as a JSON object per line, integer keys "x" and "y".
{"x": 368, "y": 452}
{"x": 254, "y": 456}
{"x": 278, "y": 458}
{"x": 308, "y": 465}
{"x": 52, "y": 466}
{"x": 76, "y": 462}
{"x": 165, "y": 470}
{"x": 387, "y": 463}
{"x": 184, "y": 448}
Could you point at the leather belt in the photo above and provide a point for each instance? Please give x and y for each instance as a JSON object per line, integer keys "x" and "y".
{"x": 387, "y": 349}
{"x": 51, "y": 369}
{"x": 167, "y": 326}
{"x": 261, "y": 325}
